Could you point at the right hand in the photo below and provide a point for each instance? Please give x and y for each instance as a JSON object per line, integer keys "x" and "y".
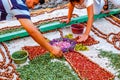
{"x": 82, "y": 38}
{"x": 65, "y": 20}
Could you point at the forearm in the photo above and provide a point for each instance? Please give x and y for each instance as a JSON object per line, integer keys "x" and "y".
{"x": 89, "y": 26}
{"x": 70, "y": 11}
{"x": 38, "y": 37}
{"x": 35, "y": 34}
{"x": 90, "y": 19}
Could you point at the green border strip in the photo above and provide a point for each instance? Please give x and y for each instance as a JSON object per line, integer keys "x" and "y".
{"x": 54, "y": 25}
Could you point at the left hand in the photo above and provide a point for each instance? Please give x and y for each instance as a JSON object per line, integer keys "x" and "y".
{"x": 82, "y": 37}
{"x": 57, "y": 52}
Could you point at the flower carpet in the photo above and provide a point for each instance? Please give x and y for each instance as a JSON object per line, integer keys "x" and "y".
{"x": 86, "y": 69}
{"x": 34, "y": 51}
{"x": 90, "y": 41}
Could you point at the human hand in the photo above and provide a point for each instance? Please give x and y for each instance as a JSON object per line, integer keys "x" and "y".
{"x": 65, "y": 20}
{"x": 57, "y": 52}
{"x": 82, "y": 37}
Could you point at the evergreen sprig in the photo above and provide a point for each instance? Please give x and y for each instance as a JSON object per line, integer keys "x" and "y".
{"x": 42, "y": 68}
{"x": 114, "y": 59}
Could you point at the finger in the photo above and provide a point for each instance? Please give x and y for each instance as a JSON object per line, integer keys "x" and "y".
{"x": 79, "y": 40}
{"x": 59, "y": 55}
{"x": 79, "y": 37}
{"x": 62, "y": 20}
{"x": 67, "y": 21}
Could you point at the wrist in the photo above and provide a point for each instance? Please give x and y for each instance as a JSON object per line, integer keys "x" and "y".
{"x": 69, "y": 19}
{"x": 86, "y": 34}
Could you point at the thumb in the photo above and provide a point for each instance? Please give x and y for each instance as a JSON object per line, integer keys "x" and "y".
{"x": 67, "y": 21}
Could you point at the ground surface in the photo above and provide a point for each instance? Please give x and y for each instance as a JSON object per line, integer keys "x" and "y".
{"x": 102, "y": 24}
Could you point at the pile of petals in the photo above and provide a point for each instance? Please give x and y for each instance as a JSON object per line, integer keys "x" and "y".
{"x": 81, "y": 47}
{"x": 34, "y": 51}
{"x": 64, "y": 43}
{"x": 90, "y": 41}
{"x": 87, "y": 69}
{"x": 70, "y": 36}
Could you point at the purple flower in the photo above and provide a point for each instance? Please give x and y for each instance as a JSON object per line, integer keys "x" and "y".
{"x": 64, "y": 48}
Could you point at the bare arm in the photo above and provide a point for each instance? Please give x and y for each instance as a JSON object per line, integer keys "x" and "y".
{"x": 90, "y": 19}
{"x": 37, "y": 36}
{"x": 85, "y": 35}
{"x": 70, "y": 11}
